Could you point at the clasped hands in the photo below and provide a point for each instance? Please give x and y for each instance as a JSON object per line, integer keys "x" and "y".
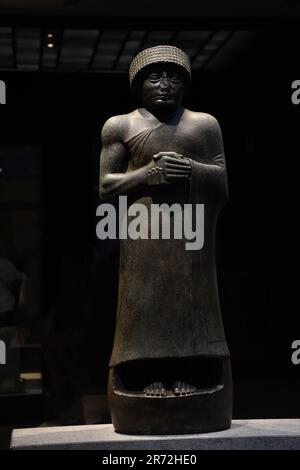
{"x": 168, "y": 167}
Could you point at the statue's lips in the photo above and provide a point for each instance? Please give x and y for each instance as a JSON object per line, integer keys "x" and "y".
{"x": 164, "y": 96}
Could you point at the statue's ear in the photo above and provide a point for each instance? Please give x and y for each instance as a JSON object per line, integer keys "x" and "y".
{"x": 137, "y": 93}
{"x": 136, "y": 87}
{"x": 187, "y": 84}
{"x": 187, "y": 87}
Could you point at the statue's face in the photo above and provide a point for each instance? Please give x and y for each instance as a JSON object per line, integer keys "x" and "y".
{"x": 163, "y": 87}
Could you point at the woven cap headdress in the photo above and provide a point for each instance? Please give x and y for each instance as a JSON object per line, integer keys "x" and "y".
{"x": 158, "y": 54}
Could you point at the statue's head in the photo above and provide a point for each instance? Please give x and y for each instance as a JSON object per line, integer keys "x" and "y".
{"x": 160, "y": 76}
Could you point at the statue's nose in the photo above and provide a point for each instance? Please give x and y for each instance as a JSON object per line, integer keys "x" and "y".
{"x": 164, "y": 82}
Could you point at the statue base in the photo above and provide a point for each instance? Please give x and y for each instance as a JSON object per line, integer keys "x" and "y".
{"x": 258, "y": 434}
{"x": 207, "y": 410}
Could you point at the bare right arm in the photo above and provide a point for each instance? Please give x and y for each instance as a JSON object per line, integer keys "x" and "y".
{"x": 114, "y": 180}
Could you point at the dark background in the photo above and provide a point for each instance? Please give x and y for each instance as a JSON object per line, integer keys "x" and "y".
{"x": 63, "y": 113}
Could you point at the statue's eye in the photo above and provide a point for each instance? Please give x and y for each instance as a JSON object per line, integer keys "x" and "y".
{"x": 154, "y": 77}
{"x": 175, "y": 79}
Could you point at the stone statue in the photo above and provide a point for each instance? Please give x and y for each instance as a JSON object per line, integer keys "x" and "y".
{"x": 170, "y": 368}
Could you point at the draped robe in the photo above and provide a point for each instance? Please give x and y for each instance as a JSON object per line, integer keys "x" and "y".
{"x": 168, "y": 304}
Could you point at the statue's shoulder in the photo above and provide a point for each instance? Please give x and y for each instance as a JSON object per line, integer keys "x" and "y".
{"x": 204, "y": 120}
{"x": 115, "y": 128}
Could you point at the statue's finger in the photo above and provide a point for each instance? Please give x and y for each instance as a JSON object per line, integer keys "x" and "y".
{"x": 177, "y": 171}
{"x": 176, "y": 161}
{"x": 176, "y": 165}
{"x": 172, "y": 159}
{"x": 176, "y": 176}
{"x": 173, "y": 154}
